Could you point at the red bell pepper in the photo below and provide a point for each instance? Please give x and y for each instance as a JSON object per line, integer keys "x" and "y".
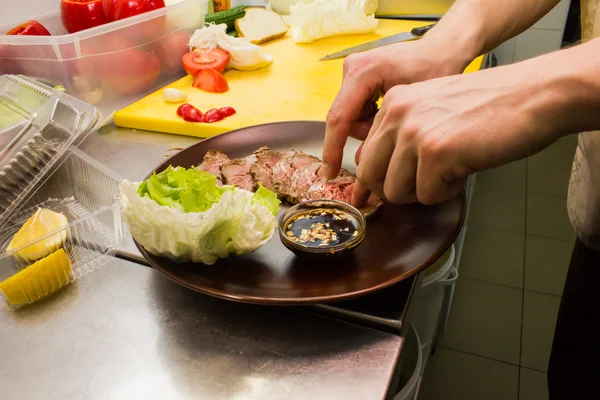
{"x": 31, "y": 28}
{"x": 78, "y": 15}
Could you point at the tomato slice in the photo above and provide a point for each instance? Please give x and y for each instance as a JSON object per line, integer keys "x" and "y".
{"x": 213, "y": 115}
{"x": 194, "y": 61}
{"x": 227, "y": 111}
{"x": 193, "y": 115}
{"x": 210, "y": 80}
{"x": 78, "y": 15}
{"x": 182, "y": 109}
{"x": 30, "y": 28}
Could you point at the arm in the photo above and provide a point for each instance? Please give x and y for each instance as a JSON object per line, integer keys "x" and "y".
{"x": 473, "y": 27}
{"x": 470, "y": 28}
{"x": 429, "y": 136}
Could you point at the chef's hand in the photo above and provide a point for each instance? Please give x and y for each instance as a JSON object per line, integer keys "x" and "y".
{"x": 367, "y": 75}
{"x": 429, "y": 136}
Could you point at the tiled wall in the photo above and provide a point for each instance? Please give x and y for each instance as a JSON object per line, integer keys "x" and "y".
{"x": 545, "y": 36}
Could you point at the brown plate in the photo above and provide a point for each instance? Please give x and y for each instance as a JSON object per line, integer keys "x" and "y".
{"x": 400, "y": 241}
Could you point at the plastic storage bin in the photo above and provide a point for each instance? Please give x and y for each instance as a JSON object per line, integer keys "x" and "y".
{"x": 411, "y": 366}
{"x": 432, "y": 296}
{"x": 85, "y": 192}
{"x": 111, "y": 64}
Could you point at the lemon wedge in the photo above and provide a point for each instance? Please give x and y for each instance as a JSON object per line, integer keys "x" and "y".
{"x": 40, "y": 224}
{"x": 38, "y": 280}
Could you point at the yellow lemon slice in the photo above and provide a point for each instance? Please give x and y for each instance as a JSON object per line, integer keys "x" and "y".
{"x": 38, "y": 280}
{"x": 40, "y": 224}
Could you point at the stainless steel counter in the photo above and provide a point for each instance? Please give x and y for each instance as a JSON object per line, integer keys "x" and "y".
{"x": 126, "y": 332}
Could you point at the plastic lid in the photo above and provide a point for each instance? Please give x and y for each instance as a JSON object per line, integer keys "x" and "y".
{"x": 37, "y": 126}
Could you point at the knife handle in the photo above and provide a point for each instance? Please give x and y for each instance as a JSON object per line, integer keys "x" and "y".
{"x": 422, "y": 30}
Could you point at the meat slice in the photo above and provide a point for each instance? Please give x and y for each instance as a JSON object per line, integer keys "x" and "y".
{"x": 341, "y": 189}
{"x": 237, "y": 172}
{"x": 302, "y": 179}
{"x": 262, "y": 169}
{"x": 212, "y": 162}
{"x": 284, "y": 170}
{"x": 293, "y": 175}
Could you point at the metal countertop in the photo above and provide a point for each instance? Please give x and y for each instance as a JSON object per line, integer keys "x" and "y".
{"x": 126, "y": 332}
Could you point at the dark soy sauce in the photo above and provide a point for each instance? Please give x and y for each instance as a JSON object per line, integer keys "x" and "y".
{"x": 322, "y": 227}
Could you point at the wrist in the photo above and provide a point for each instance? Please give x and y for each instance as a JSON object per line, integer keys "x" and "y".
{"x": 568, "y": 89}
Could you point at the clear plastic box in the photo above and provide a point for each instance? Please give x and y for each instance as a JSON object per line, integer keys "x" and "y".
{"x": 41, "y": 169}
{"x": 85, "y": 192}
{"x": 111, "y": 64}
{"x": 40, "y": 124}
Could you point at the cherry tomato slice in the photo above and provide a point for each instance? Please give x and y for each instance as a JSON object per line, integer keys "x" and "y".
{"x": 78, "y": 15}
{"x": 213, "y": 115}
{"x": 30, "y": 28}
{"x": 195, "y": 61}
{"x": 182, "y": 109}
{"x": 227, "y": 111}
{"x": 193, "y": 115}
{"x": 210, "y": 80}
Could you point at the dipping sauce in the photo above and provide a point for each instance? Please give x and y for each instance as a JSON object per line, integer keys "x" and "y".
{"x": 322, "y": 227}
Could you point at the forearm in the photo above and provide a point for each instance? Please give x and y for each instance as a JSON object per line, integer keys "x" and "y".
{"x": 473, "y": 27}
{"x": 565, "y": 88}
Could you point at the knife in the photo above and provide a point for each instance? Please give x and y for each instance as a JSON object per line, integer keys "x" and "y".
{"x": 399, "y": 37}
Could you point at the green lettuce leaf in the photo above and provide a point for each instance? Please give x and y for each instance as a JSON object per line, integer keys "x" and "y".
{"x": 188, "y": 190}
{"x": 265, "y": 197}
{"x": 182, "y": 214}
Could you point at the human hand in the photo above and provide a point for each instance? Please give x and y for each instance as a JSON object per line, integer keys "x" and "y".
{"x": 429, "y": 136}
{"x": 367, "y": 75}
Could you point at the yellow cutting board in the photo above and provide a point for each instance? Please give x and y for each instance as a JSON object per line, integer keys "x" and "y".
{"x": 296, "y": 86}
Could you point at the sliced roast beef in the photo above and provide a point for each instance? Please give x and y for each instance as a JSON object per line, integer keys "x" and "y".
{"x": 302, "y": 179}
{"x": 293, "y": 175}
{"x": 237, "y": 172}
{"x": 262, "y": 170}
{"x": 212, "y": 162}
{"x": 284, "y": 170}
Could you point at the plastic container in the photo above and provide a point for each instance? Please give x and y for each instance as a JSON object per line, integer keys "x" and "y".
{"x": 440, "y": 275}
{"x": 411, "y": 366}
{"x": 85, "y": 192}
{"x": 109, "y": 65}
{"x": 39, "y": 127}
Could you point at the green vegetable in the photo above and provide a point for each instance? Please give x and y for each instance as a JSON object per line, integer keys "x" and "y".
{"x": 265, "y": 197}
{"x": 182, "y": 214}
{"x": 188, "y": 190}
{"x": 226, "y": 16}
{"x": 232, "y": 33}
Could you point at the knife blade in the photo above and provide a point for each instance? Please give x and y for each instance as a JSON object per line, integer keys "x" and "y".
{"x": 415, "y": 33}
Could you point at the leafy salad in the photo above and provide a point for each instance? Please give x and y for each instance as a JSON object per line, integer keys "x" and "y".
{"x": 184, "y": 215}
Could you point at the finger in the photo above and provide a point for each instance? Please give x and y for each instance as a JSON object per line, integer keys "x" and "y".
{"x": 431, "y": 185}
{"x": 358, "y": 153}
{"x": 374, "y": 161}
{"x": 401, "y": 177}
{"x": 360, "y": 194}
{"x": 360, "y": 129}
{"x": 372, "y": 131}
{"x": 346, "y": 110}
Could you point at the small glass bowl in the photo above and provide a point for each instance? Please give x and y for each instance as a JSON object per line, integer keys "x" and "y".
{"x": 329, "y": 251}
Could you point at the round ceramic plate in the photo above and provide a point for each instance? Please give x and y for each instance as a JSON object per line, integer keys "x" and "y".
{"x": 400, "y": 241}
